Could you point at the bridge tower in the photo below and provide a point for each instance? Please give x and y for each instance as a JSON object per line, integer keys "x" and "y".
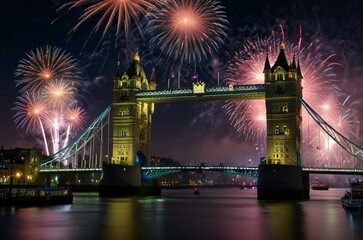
{"x": 131, "y": 139}
{"x": 131, "y": 118}
{"x": 283, "y": 109}
{"x": 281, "y": 175}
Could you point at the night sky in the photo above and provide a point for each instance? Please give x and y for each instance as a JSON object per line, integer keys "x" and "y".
{"x": 186, "y": 132}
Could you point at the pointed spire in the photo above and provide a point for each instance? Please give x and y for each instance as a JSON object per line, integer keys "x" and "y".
{"x": 298, "y": 70}
{"x": 118, "y": 73}
{"x": 282, "y": 45}
{"x": 267, "y": 63}
{"x": 152, "y": 77}
{"x": 281, "y": 59}
{"x": 137, "y": 57}
{"x": 134, "y": 69}
{"x": 293, "y": 63}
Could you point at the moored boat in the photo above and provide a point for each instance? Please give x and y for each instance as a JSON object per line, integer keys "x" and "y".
{"x": 37, "y": 197}
{"x": 319, "y": 185}
{"x": 353, "y": 199}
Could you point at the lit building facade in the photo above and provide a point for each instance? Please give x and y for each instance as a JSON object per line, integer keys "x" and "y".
{"x": 283, "y": 108}
{"x": 20, "y": 164}
{"x": 131, "y": 118}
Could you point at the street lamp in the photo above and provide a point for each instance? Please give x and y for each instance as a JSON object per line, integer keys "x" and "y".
{"x": 18, "y": 174}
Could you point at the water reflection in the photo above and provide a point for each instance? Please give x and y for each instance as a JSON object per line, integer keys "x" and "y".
{"x": 283, "y": 220}
{"x": 179, "y": 214}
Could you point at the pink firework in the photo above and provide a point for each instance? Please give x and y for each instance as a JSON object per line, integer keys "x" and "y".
{"x": 111, "y": 12}
{"x": 30, "y": 110}
{"x": 49, "y": 81}
{"x": 319, "y": 80}
{"x": 29, "y": 115}
{"x": 75, "y": 117}
{"x": 188, "y": 29}
{"x": 44, "y": 64}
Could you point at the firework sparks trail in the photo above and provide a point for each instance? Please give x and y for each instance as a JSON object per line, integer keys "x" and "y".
{"x": 46, "y": 100}
{"x": 29, "y": 115}
{"x": 111, "y": 12}
{"x": 319, "y": 80}
{"x": 188, "y": 30}
{"x": 44, "y": 64}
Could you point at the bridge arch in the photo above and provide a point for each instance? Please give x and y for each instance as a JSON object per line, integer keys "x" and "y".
{"x": 140, "y": 159}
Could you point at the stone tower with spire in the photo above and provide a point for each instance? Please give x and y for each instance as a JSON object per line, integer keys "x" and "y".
{"x": 283, "y": 109}
{"x": 281, "y": 177}
{"x": 131, "y": 119}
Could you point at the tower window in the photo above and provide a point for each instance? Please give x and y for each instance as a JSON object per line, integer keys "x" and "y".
{"x": 285, "y": 129}
{"x": 277, "y": 130}
{"x": 124, "y": 111}
{"x": 285, "y": 108}
{"x": 123, "y": 133}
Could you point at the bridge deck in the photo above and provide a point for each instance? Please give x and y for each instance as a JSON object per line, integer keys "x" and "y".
{"x": 256, "y": 91}
{"x": 340, "y": 171}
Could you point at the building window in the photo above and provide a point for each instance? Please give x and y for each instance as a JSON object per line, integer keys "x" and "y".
{"x": 123, "y": 133}
{"x": 124, "y": 111}
{"x": 277, "y": 130}
{"x": 285, "y": 107}
{"x": 285, "y": 129}
{"x": 123, "y": 150}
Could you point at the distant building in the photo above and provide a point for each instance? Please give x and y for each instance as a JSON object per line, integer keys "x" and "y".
{"x": 20, "y": 164}
{"x": 155, "y": 161}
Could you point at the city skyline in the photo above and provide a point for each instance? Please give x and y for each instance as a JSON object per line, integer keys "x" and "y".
{"x": 215, "y": 139}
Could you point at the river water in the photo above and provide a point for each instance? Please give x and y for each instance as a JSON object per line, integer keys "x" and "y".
{"x": 229, "y": 213}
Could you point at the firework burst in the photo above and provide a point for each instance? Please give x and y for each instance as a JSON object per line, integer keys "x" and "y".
{"x": 188, "y": 30}
{"x": 75, "y": 117}
{"x": 48, "y": 106}
{"x": 44, "y": 64}
{"x": 29, "y": 115}
{"x": 30, "y": 109}
{"x": 59, "y": 93}
{"x": 112, "y": 12}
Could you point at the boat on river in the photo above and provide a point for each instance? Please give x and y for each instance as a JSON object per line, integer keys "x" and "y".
{"x": 196, "y": 190}
{"x": 36, "y": 196}
{"x": 319, "y": 185}
{"x": 353, "y": 199}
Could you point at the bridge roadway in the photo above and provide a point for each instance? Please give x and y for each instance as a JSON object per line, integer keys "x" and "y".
{"x": 256, "y": 91}
{"x": 155, "y": 172}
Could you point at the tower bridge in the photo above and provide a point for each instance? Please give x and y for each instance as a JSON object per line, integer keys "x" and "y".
{"x": 123, "y": 130}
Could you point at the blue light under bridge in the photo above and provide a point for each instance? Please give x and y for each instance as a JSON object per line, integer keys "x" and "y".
{"x": 157, "y": 172}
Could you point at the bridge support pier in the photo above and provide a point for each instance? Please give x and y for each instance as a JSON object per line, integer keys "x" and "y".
{"x": 123, "y": 180}
{"x": 277, "y": 181}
